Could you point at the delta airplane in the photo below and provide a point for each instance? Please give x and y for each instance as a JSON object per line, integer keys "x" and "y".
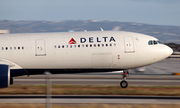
{"x": 77, "y": 52}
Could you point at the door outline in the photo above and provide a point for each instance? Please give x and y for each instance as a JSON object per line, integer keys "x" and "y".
{"x": 129, "y": 44}
{"x": 40, "y": 49}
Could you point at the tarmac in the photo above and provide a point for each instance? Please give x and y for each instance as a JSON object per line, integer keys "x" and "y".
{"x": 77, "y": 99}
{"x": 95, "y": 82}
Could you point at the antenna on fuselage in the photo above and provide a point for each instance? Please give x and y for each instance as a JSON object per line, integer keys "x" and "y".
{"x": 101, "y": 29}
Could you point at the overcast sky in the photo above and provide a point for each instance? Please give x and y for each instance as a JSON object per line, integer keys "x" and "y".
{"x": 158, "y": 12}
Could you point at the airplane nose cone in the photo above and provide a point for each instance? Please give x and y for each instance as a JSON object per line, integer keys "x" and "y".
{"x": 169, "y": 51}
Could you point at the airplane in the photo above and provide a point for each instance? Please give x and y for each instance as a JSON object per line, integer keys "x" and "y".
{"x": 77, "y": 52}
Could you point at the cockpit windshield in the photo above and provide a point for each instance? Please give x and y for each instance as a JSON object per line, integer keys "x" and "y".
{"x": 150, "y": 42}
{"x": 159, "y": 42}
{"x": 153, "y": 42}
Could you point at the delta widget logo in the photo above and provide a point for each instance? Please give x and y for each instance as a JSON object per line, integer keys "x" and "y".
{"x": 72, "y": 41}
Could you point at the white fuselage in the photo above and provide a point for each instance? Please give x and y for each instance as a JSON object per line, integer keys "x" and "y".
{"x": 88, "y": 50}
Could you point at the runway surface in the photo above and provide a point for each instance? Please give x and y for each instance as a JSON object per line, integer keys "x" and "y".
{"x": 132, "y": 82}
{"x": 91, "y": 99}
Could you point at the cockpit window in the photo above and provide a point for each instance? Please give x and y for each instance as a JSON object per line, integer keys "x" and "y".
{"x": 153, "y": 42}
{"x": 150, "y": 42}
{"x": 159, "y": 42}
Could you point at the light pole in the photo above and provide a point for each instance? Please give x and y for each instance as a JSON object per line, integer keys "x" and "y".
{"x": 48, "y": 89}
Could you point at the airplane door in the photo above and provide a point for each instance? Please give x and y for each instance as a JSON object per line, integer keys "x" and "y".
{"x": 129, "y": 45}
{"x": 40, "y": 47}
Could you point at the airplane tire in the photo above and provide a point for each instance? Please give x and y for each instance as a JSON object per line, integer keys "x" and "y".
{"x": 124, "y": 84}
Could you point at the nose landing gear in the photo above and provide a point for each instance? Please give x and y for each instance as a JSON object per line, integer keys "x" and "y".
{"x": 124, "y": 83}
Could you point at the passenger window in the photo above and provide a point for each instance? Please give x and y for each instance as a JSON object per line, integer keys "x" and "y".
{"x": 94, "y": 45}
{"x": 74, "y": 46}
{"x": 22, "y": 47}
{"x": 78, "y": 45}
{"x": 66, "y": 46}
{"x": 82, "y": 45}
{"x": 98, "y": 45}
{"x": 54, "y": 46}
{"x": 110, "y": 44}
{"x": 102, "y": 45}
{"x": 70, "y": 46}
{"x": 90, "y": 45}
{"x": 18, "y": 48}
{"x": 86, "y": 45}
{"x": 6, "y": 48}
{"x": 59, "y": 46}
{"x": 114, "y": 44}
{"x": 2, "y": 48}
{"x": 14, "y": 48}
{"x": 10, "y": 48}
{"x": 106, "y": 44}
{"x": 62, "y": 46}
{"x": 150, "y": 42}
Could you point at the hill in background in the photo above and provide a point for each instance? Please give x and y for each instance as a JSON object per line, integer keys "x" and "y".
{"x": 166, "y": 34}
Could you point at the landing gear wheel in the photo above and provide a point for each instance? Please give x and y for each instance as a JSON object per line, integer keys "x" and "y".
{"x": 124, "y": 84}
